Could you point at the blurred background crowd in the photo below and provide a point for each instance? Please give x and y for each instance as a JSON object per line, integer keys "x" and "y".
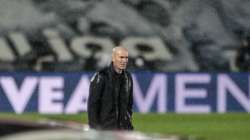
{"x": 161, "y": 35}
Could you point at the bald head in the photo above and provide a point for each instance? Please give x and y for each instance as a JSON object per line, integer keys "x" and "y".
{"x": 117, "y": 49}
{"x": 119, "y": 58}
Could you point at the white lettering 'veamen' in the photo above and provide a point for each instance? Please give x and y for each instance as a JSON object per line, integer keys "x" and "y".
{"x": 51, "y": 90}
{"x": 158, "y": 86}
{"x": 226, "y": 84}
{"x": 50, "y": 93}
{"x": 183, "y": 93}
{"x": 78, "y": 100}
{"x": 18, "y": 97}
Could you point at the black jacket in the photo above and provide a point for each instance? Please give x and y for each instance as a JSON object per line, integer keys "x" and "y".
{"x": 110, "y": 100}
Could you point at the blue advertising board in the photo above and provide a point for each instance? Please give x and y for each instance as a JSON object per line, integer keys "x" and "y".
{"x": 57, "y": 93}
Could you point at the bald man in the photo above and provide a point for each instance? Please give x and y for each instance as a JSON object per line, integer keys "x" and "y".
{"x": 111, "y": 95}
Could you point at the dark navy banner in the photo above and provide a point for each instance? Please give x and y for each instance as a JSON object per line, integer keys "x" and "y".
{"x": 56, "y": 93}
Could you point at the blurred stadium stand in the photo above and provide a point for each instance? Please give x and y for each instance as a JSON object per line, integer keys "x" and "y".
{"x": 161, "y": 35}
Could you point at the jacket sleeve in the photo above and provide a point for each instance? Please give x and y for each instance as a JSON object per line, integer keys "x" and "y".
{"x": 130, "y": 103}
{"x": 94, "y": 100}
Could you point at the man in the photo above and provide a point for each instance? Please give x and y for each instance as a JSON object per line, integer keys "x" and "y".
{"x": 111, "y": 95}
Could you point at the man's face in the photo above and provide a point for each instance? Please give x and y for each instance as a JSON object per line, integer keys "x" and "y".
{"x": 120, "y": 59}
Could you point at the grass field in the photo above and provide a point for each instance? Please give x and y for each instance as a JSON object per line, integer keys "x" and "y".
{"x": 232, "y": 126}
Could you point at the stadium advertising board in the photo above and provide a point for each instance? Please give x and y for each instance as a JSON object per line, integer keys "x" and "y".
{"x": 57, "y": 93}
